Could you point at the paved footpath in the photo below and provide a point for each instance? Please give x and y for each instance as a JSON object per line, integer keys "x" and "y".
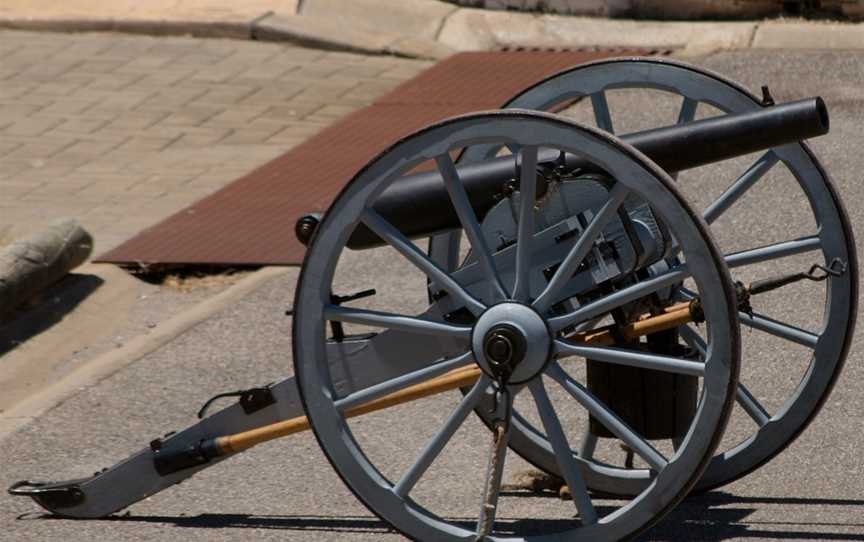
{"x": 120, "y": 131}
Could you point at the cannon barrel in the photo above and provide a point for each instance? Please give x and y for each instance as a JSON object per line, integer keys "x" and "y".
{"x": 418, "y": 204}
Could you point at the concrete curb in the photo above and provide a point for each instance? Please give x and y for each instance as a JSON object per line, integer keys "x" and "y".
{"x": 109, "y": 363}
{"x": 796, "y": 35}
{"x": 434, "y": 29}
{"x": 332, "y": 34}
{"x": 477, "y": 29}
{"x": 204, "y": 29}
{"x": 309, "y": 31}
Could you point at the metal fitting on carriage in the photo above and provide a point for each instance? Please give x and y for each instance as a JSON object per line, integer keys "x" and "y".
{"x": 170, "y": 459}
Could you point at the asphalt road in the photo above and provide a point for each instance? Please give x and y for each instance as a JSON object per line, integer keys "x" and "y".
{"x": 286, "y": 490}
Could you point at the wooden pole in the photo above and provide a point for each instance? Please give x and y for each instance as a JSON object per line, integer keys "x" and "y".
{"x": 674, "y": 316}
{"x": 456, "y": 378}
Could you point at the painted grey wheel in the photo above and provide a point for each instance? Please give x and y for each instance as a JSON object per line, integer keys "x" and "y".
{"x": 767, "y": 420}
{"x": 493, "y": 303}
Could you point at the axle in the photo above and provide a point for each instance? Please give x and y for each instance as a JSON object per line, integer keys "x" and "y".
{"x": 418, "y": 204}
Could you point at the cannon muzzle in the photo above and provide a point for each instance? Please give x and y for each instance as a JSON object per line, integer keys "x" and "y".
{"x": 418, "y": 204}
{"x": 695, "y": 144}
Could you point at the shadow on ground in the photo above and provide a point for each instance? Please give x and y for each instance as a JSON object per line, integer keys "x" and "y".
{"x": 49, "y": 308}
{"x": 723, "y": 516}
{"x": 713, "y": 516}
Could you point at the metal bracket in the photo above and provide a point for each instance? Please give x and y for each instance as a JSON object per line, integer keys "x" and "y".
{"x": 251, "y": 400}
{"x": 767, "y": 99}
{"x": 170, "y": 459}
{"x": 51, "y": 495}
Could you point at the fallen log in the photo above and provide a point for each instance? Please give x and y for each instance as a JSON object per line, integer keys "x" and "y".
{"x": 31, "y": 264}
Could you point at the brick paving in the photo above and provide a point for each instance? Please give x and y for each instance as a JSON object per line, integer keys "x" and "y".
{"x": 121, "y": 131}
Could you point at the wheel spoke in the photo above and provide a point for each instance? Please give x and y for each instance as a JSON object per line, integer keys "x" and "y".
{"x": 688, "y": 110}
{"x": 403, "y": 381}
{"x": 632, "y": 358}
{"x": 589, "y": 444}
{"x": 694, "y": 340}
{"x": 577, "y": 253}
{"x": 685, "y": 294}
{"x": 433, "y": 447}
{"x": 588, "y": 325}
{"x": 621, "y": 297}
{"x": 740, "y": 186}
{"x": 751, "y": 406}
{"x": 413, "y": 254}
{"x": 468, "y": 218}
{"x": 395, "y": 321}
{"x": 773, "y": 252}
{"x": 779, "y": 329}
{"x": 609, "y": 419}
{"x": 524, "y": 244}
{"x": 686, "y": 114}
{"x": 563, "y": 454}
{"x": 601, "y": 112}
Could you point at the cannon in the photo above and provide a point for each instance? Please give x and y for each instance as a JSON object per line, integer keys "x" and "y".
{"x": 588, "y": 314}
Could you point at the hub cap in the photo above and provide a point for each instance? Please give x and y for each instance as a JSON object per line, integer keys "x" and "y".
{"x": 511, "y": 342}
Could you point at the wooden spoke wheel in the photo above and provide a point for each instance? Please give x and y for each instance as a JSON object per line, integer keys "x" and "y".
{"x": 515, "y": 332}
{"x": 766, "y": 420}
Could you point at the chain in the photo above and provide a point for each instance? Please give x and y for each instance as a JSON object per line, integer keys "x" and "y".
{"x": 495, "y": 467}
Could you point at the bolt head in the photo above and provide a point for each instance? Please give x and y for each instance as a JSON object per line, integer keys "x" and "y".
{"x": 499, "y": 348}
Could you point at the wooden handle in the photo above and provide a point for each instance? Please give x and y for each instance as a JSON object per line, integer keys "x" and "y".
{"x": 463, "y": 376}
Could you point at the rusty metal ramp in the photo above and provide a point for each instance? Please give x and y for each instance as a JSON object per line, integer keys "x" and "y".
{"x": 251, "y": 220}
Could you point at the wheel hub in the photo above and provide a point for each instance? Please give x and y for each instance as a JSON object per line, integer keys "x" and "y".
{"x": 504, "y": 347}
{"x": 511, "y": 342}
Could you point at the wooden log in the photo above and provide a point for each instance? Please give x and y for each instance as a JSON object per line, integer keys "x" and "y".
{"x": 33, "y": 263}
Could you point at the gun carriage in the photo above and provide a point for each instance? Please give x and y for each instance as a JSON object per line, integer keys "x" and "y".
{"x": 565, "y": 272}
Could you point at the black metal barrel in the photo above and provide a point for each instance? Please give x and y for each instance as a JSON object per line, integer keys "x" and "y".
{"x": 695, "y": 144}
{"x": 418, "y": 204}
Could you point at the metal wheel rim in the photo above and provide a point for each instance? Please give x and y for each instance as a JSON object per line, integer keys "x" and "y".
{"x": 312, "y": 295}
{"x": 835, "y": 235}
